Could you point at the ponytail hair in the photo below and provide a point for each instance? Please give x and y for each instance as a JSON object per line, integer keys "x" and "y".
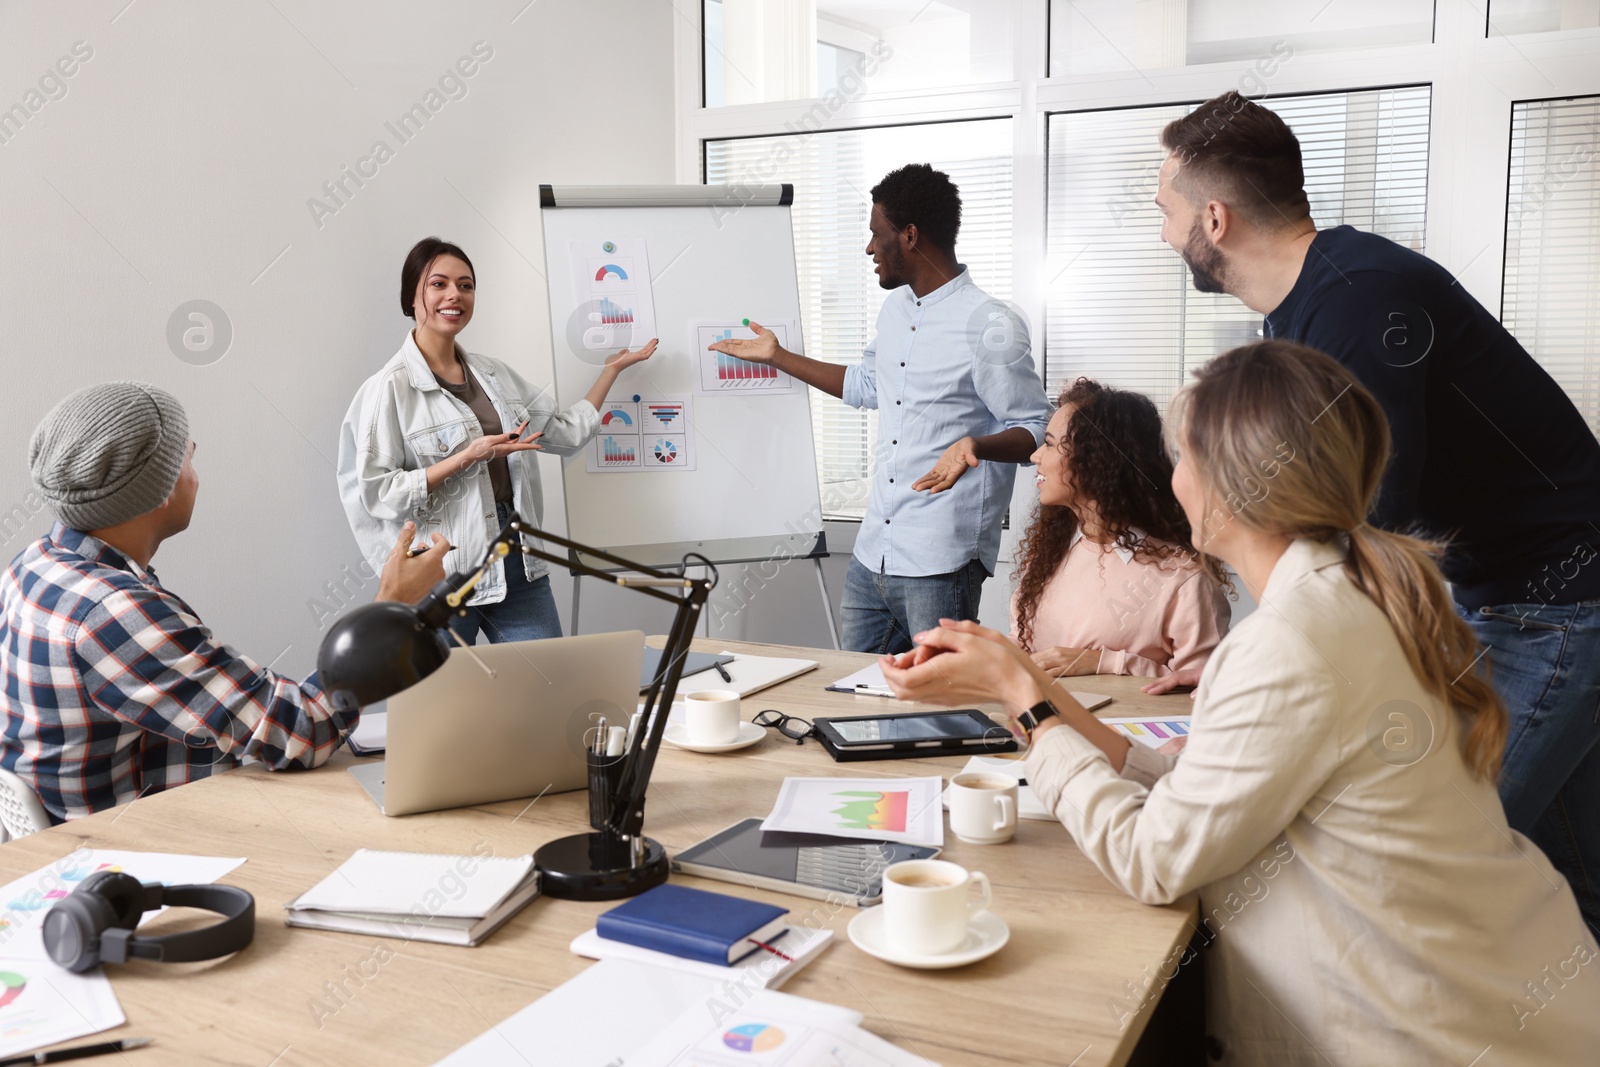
{"x": 1297, "y": 446}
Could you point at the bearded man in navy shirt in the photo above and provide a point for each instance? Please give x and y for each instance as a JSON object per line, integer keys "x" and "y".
{"x": 1490, "y": 456}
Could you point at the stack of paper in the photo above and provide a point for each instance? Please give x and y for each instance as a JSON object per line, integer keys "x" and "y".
{"x": 455, "y": 900}
{"x": 42, "y": 1002}
{"x": 773, "y": 1028}
{"x": 750, "y": 674}
{"x": 371, "y": 735}
{"x": 676, "y": 1019}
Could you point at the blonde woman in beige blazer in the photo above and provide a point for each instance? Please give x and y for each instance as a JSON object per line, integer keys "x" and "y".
{"x": 1362, "y": 898}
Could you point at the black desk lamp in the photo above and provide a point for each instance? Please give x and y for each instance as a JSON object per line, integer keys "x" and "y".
{"x": 380, "y": 649}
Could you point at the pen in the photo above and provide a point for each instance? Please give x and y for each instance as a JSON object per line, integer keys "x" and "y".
{"x": 59, "y": 1055}
{"x": 601, "y": 736}
{"x": 633, "y": 728}
{"x": 762, "y": 944}
{"x": 726, "y": 677}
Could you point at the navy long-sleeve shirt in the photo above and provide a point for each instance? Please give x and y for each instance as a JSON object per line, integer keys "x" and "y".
{"x": 1489, "y": 452}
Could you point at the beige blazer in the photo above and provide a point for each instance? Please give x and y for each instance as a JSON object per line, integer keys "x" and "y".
{"x": 1363, "y": 900}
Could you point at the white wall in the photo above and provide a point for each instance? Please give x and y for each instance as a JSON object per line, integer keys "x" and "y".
{"x": 178, "y": 165}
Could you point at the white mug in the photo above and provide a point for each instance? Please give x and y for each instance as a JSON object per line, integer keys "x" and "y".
{"x": 983, "y": 807}
{"x": 711, "y": 717}
{"x": 927, "y": 905}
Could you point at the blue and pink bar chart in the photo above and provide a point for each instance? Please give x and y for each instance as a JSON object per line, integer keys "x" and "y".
{"x": 734, "y": 369}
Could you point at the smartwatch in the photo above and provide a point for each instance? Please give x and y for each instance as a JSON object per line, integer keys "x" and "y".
{"x": 1030, "y": 719}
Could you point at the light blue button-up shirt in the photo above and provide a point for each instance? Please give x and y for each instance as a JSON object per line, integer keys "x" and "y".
{"x": 954, "y": 363}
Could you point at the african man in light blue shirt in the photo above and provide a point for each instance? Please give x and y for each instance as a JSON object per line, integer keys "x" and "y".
{"x": 952, "y": 376}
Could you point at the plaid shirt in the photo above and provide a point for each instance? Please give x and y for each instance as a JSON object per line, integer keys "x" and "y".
{"x": 114, "y": 687}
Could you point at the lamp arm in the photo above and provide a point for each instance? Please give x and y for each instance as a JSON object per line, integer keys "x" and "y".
{"x": 627, "y": 806}
{"x": 627, "y": 800}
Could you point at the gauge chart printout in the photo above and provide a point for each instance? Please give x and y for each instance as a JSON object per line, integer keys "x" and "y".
{"x": 719, "y": 374}
{"x": 611, "y": 285}
{"x": 643, "y": 433}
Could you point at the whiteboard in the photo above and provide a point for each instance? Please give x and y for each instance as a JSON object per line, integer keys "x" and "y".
{"x": 713, "y": 257}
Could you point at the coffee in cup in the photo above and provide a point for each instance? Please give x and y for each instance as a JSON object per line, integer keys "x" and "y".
{"x": 711, "y": 717}
{"x": 928, "y": 903}
{"x": 983, "y": 807}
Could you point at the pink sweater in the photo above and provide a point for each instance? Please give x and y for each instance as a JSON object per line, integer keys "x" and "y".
{"x": 1147, "y": 619}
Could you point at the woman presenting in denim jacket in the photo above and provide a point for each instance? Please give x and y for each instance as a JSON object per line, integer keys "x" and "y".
{"x": 437, "y": 438}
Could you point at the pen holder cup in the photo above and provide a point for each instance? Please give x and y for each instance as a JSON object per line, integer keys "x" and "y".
{"x": 604, "y": 773}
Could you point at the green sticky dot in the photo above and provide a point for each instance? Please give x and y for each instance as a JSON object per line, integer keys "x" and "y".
{"x": 747, "y": 322}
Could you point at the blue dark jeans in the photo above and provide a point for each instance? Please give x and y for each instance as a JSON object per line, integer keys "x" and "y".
{"x": 527, "y": 613}
{"x": 881, "y": 611}
{"x": 1545, "y": 663}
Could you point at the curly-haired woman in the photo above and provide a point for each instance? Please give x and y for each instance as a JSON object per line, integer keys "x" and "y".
{"x": 1107, "y": 582}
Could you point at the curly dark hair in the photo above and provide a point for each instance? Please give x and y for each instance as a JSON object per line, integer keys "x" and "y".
{"x": 1115, "y": 458}
{"x": 916, "y": 194}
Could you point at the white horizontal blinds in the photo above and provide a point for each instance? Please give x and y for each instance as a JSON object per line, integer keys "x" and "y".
{"x": 1120, "y": 303}
{"x": 833, "y": 174}
{"x": 837, "y": 308}
{"x": 1114, "y": 293}
{"x": 1551, "y": 298}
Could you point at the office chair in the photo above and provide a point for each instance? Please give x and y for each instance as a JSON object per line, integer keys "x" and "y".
{"x": 21, "y": 813}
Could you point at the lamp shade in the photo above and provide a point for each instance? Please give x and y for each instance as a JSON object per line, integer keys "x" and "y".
{"x": 377, "y": 650}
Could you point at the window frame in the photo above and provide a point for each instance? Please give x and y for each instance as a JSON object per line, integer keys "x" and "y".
{"x": 1475, "y": 78}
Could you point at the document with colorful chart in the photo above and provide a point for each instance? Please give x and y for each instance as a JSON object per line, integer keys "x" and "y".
{"x": 718, "y": 373}
{"x": 777, "y": 1030}
{"x": 1151, "y": 731}
{"x": 639, "y": 432}
{"x": 615, "y": 307}
{"x": 904, "y": 810}
{"x": 42, "y": 1003}
{"x": 25, "y": 902}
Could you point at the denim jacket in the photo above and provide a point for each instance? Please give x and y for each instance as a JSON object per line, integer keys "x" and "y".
{"x": 401, "y": 423}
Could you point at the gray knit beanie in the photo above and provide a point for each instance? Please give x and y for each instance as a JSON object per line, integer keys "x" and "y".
{"x": 109, "y": 453}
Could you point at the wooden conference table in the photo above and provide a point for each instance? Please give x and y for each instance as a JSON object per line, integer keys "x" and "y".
{"x": 1046, "y": 998}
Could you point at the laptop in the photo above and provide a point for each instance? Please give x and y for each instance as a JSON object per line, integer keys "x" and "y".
{"x": 462, "y": 737}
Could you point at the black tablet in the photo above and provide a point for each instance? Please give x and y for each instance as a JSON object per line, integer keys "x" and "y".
{"x": 808, "y": 865}
{"x": 925, "y": 733}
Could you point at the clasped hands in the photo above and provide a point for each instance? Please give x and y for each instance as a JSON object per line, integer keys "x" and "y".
{"x": 963, "y": 662}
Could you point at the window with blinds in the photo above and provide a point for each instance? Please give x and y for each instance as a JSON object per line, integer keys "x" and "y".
{"x": 1551, "y": 297}
{"x": 1120, "y": 305}
{"x": 833, "y": 174}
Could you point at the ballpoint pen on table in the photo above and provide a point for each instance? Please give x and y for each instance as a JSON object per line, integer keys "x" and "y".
{"x": 726, "y": 677}
{"x": 63, "y": 1054}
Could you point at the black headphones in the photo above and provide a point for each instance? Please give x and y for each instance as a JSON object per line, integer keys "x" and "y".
{"x": 95, "y": 923}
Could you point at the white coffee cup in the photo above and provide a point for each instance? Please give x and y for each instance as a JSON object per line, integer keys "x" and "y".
{"x": 928, "y": 903}
{"x": 711, "y": 717}
{"x": 983, "y": 807}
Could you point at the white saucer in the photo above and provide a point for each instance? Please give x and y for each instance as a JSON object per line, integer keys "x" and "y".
{"x": 749, "y": 734}
{"x": 987, "y": 934}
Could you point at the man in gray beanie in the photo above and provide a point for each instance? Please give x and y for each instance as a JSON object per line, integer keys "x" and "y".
{"x": 151, "y": 699}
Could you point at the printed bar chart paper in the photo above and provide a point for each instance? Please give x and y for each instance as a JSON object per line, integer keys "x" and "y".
{"x": 905, "y": 810}
{"x": 720, "y": 373}
{"x": 640, "y": 433}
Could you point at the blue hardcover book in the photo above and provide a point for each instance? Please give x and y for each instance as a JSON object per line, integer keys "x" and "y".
{"x": 694, "y": 924}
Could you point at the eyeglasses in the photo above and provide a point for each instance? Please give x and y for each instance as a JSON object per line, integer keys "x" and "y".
{"x": 792, "y": 727}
